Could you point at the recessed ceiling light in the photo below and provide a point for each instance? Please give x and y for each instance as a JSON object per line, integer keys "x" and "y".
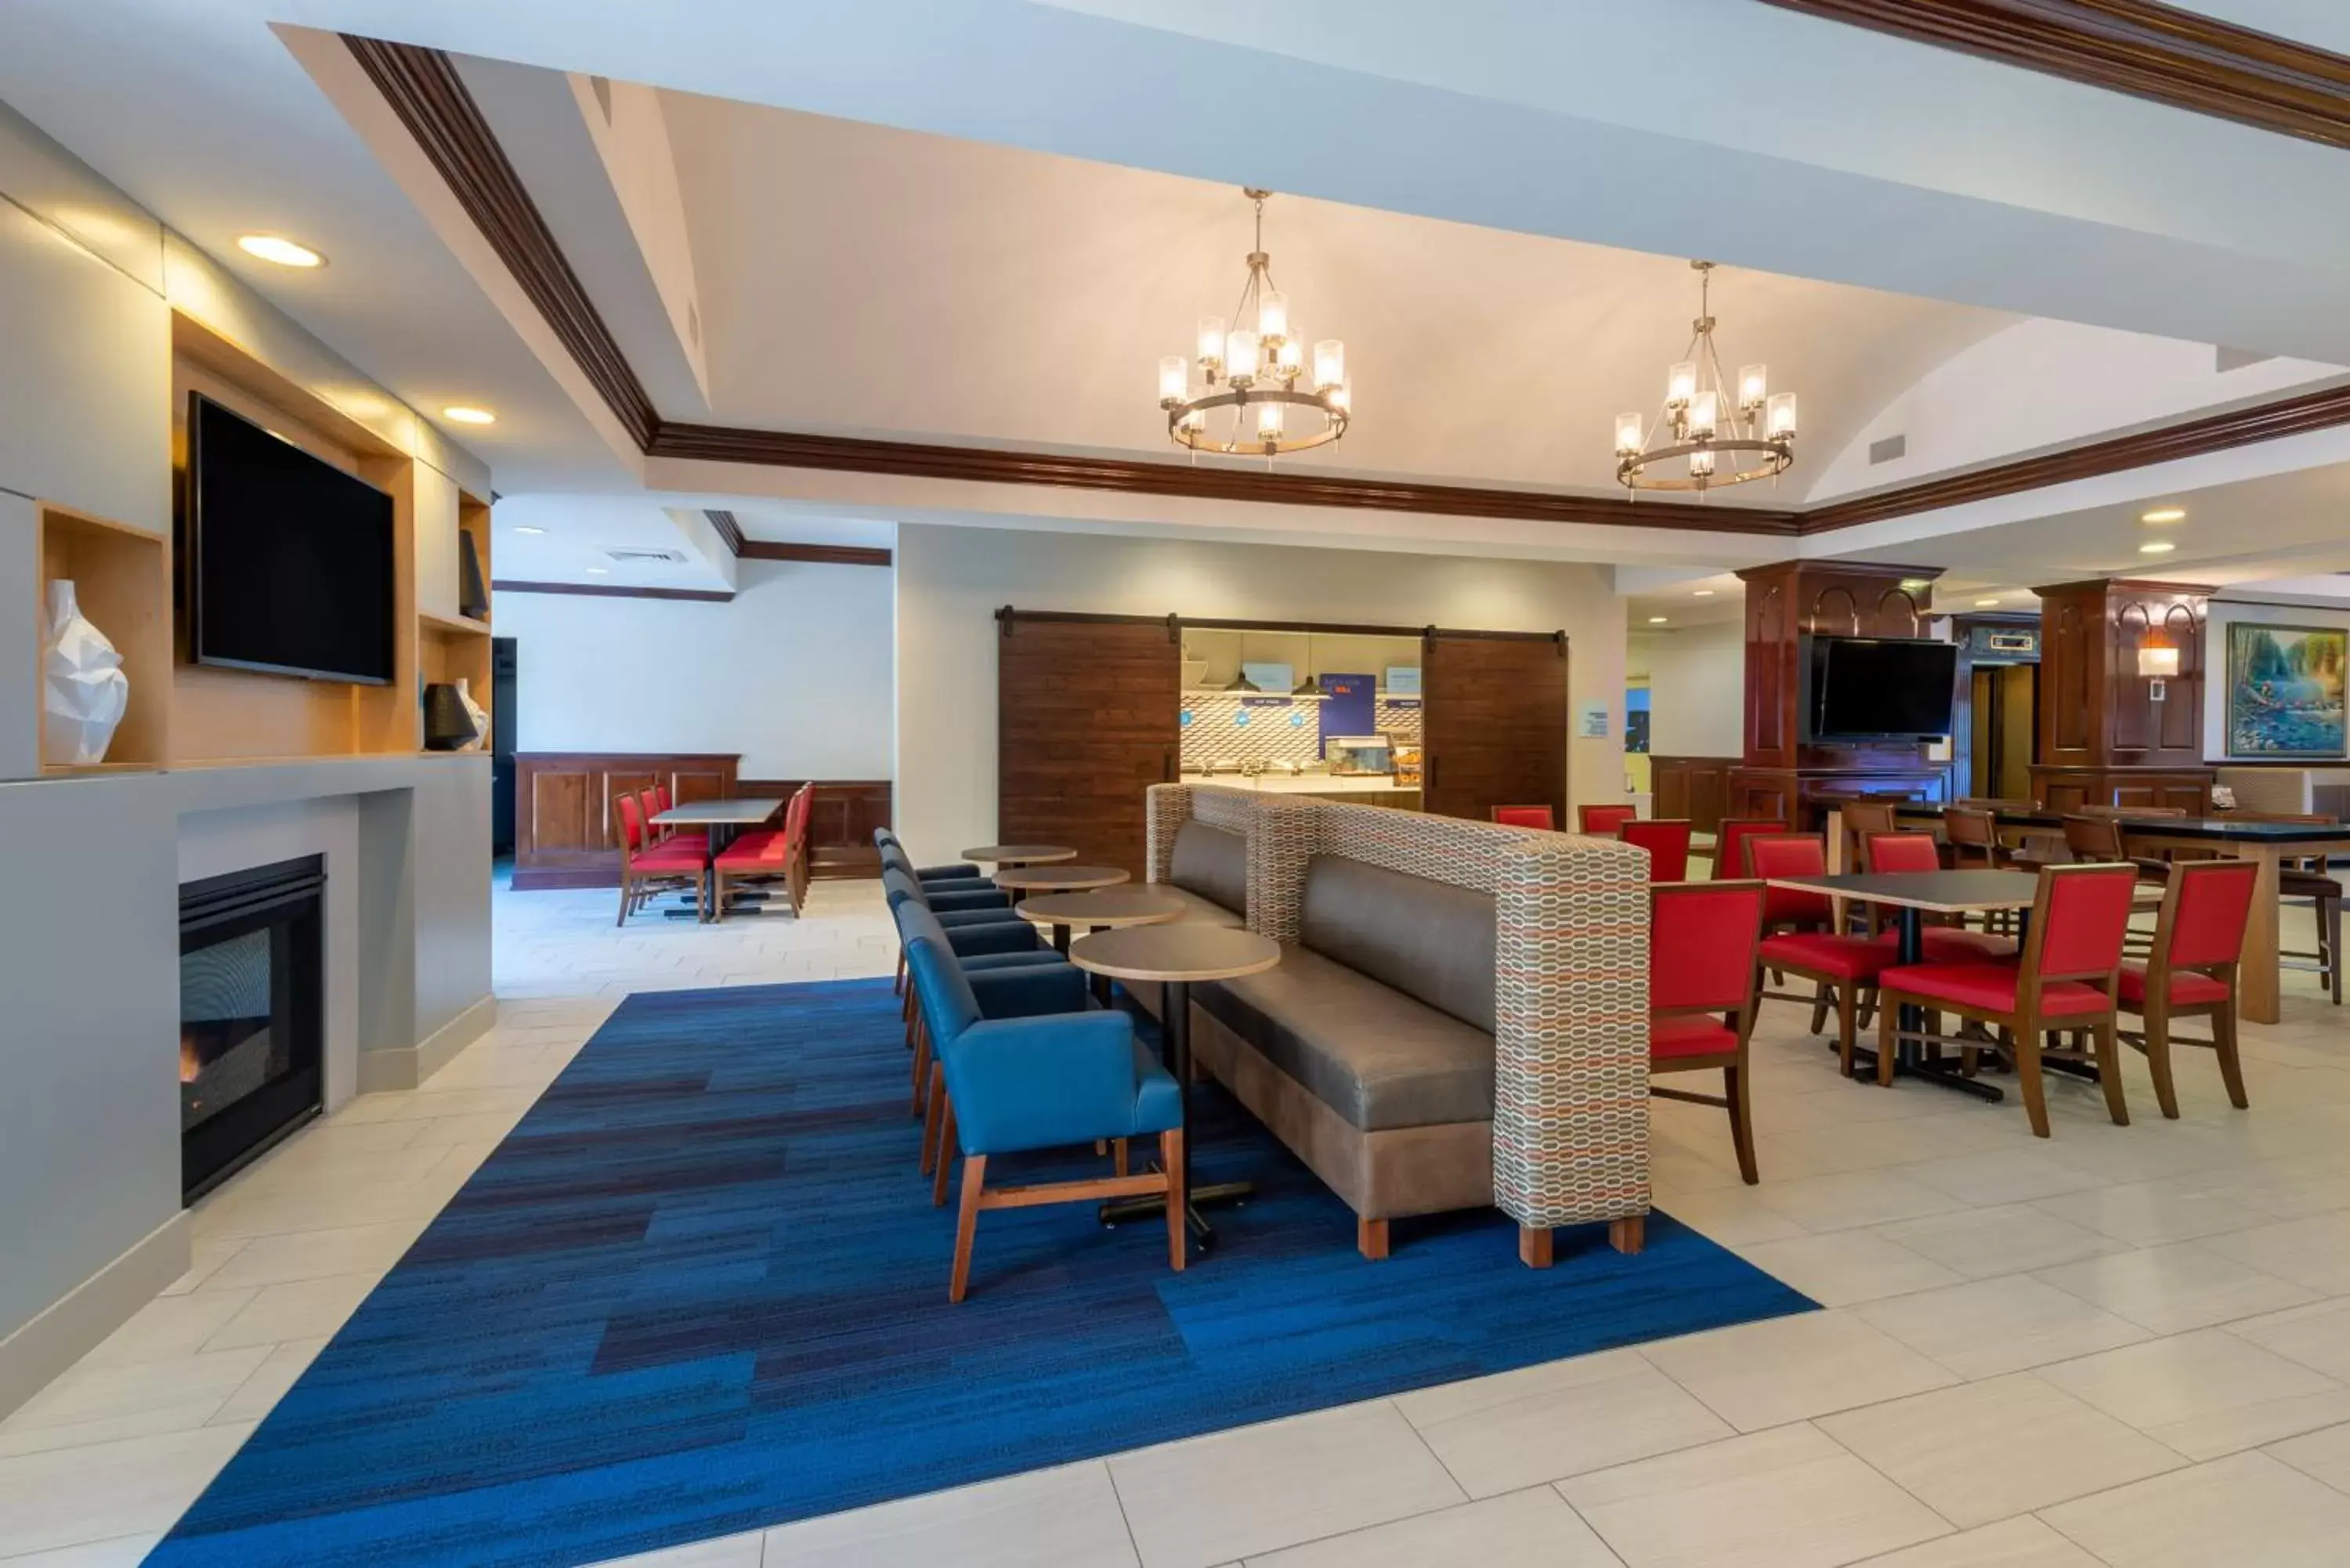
{"x": 598, "y": 571}
{"x": 1985, "y": 604}
{"x": 1656, "y": 621}
{"x": 2158, "y": 547}
{"x": 527, "y": 528}
{"x": 466, "y": 414}
{"x": 1702, "y": 593}
{"x": 2164, "y": 514}
{"x": 280, "y": 250}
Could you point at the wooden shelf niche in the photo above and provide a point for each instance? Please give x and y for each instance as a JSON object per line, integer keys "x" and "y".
{"x": 233, "y": 715}
{"x": 122, "y": 579}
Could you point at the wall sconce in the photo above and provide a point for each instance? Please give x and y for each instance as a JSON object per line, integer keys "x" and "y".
{"x": 2157, "y": 664}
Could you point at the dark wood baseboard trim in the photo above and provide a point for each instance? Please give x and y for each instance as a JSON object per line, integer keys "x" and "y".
{"x": 423, "y": 88}
{"x": 613, "y": 591}
{"x": 2168, "y": 55}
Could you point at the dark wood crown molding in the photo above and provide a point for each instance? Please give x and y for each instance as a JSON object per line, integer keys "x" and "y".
{"x": 821, "y": 555}
{"x": 424, "y": 88}
{"x": 2148, "y": 50}
{"x": 612, "y": 591}
{"x": 2298, "y": 415}
{"x": 728, "y": 529}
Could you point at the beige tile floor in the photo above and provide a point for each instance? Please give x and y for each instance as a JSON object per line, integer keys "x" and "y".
{"x": 2122, "y": 1346}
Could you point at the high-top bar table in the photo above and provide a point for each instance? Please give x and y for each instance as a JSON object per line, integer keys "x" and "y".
{"x": 1913, "y": 895}
{"x": 1175, "y": 955}
{"x": 725, "y": 820}
{"x": 1103, "y": 910}
{"x": 1012, "y": 855}
{"x": 2268, "y": 844}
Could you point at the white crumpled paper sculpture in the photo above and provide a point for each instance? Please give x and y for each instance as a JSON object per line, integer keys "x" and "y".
{"x": 83, "y": 689}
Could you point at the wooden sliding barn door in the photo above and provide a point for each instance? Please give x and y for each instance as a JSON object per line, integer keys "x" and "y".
{"x": 1493, "y": 717}
{"x": 1086, "y": 720}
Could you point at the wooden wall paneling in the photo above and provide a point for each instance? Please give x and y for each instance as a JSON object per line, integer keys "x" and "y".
{"x": 567, "y": 834}
{"x": 1086, "y": 721}
{"x": 1698, "y": 788}
{"x": 2103, "y": 740}
{"x": 1494, "y": 723}
{"x": 842, "y": 815}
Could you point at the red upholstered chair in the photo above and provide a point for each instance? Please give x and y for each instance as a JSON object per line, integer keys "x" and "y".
{"x": 1905, "y": 852}
{"x": 1526, "y": 817}
{"x": 696, "y": 836}
{"x": 649, "y": 868}
{"x": 1667, "y": 840}
{"x": 1701, "y": 944}
{"x": 2068, "y": 980}
{"x": 1729, "y": 843}
{"x": 1601, "y": 821}
{"x": 774, "y": 854}
{"x": 1842, "y": 970}
{"x": 2191, "y": 972}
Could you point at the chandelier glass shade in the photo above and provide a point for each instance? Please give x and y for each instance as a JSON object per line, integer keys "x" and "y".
{"x": 1712, "y": 431}
{"x": 1261, "y": 391}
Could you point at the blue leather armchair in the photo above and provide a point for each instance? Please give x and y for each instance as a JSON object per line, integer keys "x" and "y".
{"x": 1031, "y": 1083}
{"x": 936, "y": 878}
{"x": 885, "y": 840}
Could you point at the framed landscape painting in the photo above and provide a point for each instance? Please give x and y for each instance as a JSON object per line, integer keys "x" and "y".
{"x": 2284, "y": 690}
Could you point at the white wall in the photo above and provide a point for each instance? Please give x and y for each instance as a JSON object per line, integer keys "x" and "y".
{"x": 2215, "y": 660}
{"x": 1697, "y": 692}
{"x": 952, "y": 580}
{"x": 794, "y": 674}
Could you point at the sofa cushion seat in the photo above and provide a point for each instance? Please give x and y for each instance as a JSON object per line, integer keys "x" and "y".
{"x": 1371, "y": 1053}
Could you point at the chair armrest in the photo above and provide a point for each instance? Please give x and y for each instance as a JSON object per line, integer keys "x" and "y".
{"x": 1040, "y": 1083}
{"x": 991, "y": 937}
{"x": 1028, "y": 991}
{"x": 942, "y": 901}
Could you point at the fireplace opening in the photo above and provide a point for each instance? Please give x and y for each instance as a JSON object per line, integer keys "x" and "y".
{"x": 252, "y": 1015}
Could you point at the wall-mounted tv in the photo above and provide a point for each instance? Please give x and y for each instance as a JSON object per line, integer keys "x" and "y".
{"x": 1877, "y": 689}
{"x": 289, "y": 559}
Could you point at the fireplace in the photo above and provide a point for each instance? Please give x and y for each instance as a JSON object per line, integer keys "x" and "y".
{"x": 252, "y": 1015}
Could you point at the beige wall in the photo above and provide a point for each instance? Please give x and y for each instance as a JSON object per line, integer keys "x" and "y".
{"x": 952, "y": 580}
{"x": 1697, "y": 692}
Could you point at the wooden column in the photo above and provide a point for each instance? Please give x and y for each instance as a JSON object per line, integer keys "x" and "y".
{"x": 1781, "y": 775}
{"x": 2104, "y": 741}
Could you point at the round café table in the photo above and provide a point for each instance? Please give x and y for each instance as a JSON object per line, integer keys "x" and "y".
{"x": 1106, "y": 908}
{"x": 1011, "y": 856}
{"x": 1175, "y": 955}
{"x": 1059, "y": 879}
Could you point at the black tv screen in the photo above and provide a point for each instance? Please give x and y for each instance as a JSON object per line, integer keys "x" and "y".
{"x": 1867, "y": 689}
{"x": 289, "y": 558}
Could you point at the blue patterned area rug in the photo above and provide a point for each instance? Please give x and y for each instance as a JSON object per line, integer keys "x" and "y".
{"x": 701, "y": 1289}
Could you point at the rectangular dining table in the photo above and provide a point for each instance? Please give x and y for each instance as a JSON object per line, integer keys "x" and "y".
{"x": 2268, "y": 844}
{"x": 1912, "y": 896}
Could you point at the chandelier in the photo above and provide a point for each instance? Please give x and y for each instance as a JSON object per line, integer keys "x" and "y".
{"x": 1257, "y": 370}
{"x": 1727, "y": 436}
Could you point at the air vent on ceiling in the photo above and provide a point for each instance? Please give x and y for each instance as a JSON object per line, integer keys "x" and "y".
{"x": 1888, "y": 449}
{"x": 602, "y": 87}
{"x": 641, "y": 557}
{"x": 2225, "y": 358}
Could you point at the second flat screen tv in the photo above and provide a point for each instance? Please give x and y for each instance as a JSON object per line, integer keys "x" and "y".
{"x": 290, "y": 559}
{"x": 1873, "y": 689}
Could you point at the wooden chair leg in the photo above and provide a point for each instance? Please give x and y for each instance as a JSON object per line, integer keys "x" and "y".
{"x": 2109, "y": 1070}
{"x": 974, "y": 1176}
{"x": 1888, "y": 1013}
{"x": 625, "y": 893}
{"x": 1371, "y": 1238}
{"x": 1629, "y": 1234}
{"x": 1533, "y": 1245}
{"x": 2157, "y": 1059}
{"x": 2027, "y": 1077}
{"x": 1170, "y": 1156}
{"x": 2231, "y": 1067}
{"x": 933, "y": 1113}
{"x": 1741, "y": 1122}
{"x": 946, "y": 1151}
{"x": 898, "y": 983}
{"x": 1847, "y": 1026}
{"x": 2330, "y": 916}
{"x": 1820, "y": 1005}
{"x": 1117, "y": 1157}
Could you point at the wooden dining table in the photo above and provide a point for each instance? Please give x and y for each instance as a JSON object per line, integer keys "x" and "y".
{"x": 2268, "y": 844}
{"x": 1912, "y": 896}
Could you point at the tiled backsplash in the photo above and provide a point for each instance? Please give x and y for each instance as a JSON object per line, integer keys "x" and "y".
{"x": 1237, "y": 726}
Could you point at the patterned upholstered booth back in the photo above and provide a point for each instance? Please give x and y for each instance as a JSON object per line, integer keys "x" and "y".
{"x": 1570, "y": 987}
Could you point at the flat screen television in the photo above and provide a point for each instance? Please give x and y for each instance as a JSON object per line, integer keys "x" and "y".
{"x": 289, "y": 558}
{"x": 1879, "y": 689}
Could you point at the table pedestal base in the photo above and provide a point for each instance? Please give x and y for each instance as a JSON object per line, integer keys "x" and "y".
{"x": 1203, "y": 1235}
